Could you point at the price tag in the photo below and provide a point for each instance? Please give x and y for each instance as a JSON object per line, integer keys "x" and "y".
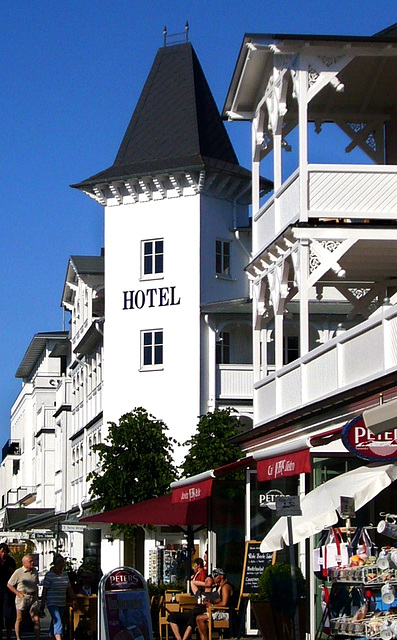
{"x": 288, "y": 506}
{"x": 347, "y": 507}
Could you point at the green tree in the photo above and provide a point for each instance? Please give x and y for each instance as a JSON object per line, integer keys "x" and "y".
{"x": 210, "y": 446}
{"x": 135, "y": 464}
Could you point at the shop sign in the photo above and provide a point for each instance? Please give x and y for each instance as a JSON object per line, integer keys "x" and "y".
{"x": 269, "y": 497}
{"x": 289, "y": 464}
{"x": 43, "y": 535}
{"x": 358, "y": 439}
{"x": 125, "y": 606}
{"x": 73, "y": 528}
{"x": 192, "y": 492}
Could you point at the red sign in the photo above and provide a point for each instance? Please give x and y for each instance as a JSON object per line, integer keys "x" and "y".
{"x": 364, "y": 444}
{"x": 192, "y": 492}
{"x": 289, "y": 464}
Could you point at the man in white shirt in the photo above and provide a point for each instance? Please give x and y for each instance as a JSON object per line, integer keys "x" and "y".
{"x": 24, "y": 584}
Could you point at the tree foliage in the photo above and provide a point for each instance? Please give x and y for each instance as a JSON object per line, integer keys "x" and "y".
{"x": 210, "y": 446}
{"x": 135, "y": 463}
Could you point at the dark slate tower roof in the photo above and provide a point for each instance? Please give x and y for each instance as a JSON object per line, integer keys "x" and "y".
{"x": 175, "y": 126}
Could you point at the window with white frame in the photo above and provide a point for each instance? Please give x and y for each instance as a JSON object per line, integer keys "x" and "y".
{"x": 152, "y": 258}
{"x": 223, "y": 348}
{"x": 152, "y": 349}
{"x": 222, "y": 258}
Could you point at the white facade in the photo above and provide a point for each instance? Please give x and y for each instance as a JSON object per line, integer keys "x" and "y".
{"x": 325, "y": 243}
{"x": 173, "y": 335}
{"x": 182, "y": 385}
{"x": 324, "y": 249}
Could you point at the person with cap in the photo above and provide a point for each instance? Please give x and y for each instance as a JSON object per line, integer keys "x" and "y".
{"x": 24, "y": 585}
{"x": 184, "y": 623}
{"x": 220, "y": 597}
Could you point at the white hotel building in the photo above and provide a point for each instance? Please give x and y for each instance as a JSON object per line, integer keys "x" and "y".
{"x": 177, "y": 335}
{"x": 173, "y": 333}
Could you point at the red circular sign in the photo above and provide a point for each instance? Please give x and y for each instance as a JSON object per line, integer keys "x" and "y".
{"x": 364, "y": 444}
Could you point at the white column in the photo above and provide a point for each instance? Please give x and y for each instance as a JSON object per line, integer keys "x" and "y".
{"x": 303, "y": 147}
{"x": 211, "y": 365}
{"x": 304, "y": 297}
{"x": 278, "y": 339}
{"x": 277, "y": 161}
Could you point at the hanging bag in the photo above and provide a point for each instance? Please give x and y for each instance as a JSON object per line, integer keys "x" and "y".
{"x": 318, "y": 557}
{"x": 336, "y": 551}
{"x": 361, "y": 544}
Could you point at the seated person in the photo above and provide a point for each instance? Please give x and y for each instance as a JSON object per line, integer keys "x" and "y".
{"x": 225, "y": 592}
{"x": 86, "y": 589}
{"x": 199, "y": 576}
{"x": 184, "y": 623}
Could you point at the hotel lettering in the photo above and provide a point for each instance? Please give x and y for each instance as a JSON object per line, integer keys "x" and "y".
{"x": 155, "y": 297}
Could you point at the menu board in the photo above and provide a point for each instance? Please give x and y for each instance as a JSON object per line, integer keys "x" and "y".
{"x": 254, "y": 564}
{"x": 125, "y": 606}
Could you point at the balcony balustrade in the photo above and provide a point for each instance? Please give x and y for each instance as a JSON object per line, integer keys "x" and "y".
{"x": 356, "y": 356}
{"x": 352, "y": 192}
{"x": 11, "y": 448}
{"x": 234, "y": 382}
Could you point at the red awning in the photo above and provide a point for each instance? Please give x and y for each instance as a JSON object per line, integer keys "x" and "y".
{"x": 192, "y": 492}
{"x": 287, "y": 464}
{"x": 157, "y": 511}
{"x": 197, "y": 487}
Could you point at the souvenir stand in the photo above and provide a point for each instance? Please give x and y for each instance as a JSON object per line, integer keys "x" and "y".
{"x": 360, "y": 584}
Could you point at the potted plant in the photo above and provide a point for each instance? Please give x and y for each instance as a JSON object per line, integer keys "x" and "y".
{"x": 274, "y": 606}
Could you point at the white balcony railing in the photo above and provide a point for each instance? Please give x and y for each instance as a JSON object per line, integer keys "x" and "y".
{"x": 355, "y": 357}
{"x": 333, "y": 191}
{"x": 234, "y": 381}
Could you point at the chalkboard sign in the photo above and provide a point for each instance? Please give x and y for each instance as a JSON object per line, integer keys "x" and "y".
{"x": 254, "y": 564}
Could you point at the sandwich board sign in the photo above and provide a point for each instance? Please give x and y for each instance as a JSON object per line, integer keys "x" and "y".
{"x": 124, "y": 606}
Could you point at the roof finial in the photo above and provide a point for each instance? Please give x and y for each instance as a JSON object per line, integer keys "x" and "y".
{"x": 176, "y": 38}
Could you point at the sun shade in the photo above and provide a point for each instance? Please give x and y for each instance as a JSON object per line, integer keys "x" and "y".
{"x": 157, "y": 511}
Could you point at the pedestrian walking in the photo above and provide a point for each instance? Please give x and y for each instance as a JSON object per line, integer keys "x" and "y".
{"x": 56, "y": 588}
{"x": 7, "y": 606}
{"x": 24, "y": 585}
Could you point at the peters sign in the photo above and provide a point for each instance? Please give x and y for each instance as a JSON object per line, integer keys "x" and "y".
{"x": 358, "y": 439}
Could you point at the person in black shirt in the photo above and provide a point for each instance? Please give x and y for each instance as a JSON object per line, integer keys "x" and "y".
{"x": 7, "y": 606}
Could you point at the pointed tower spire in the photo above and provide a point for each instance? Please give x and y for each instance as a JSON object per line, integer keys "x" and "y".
{"x": 176, "y": 126}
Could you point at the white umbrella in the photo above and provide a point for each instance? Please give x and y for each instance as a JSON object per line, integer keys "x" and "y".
{"x": 320, "y": 507}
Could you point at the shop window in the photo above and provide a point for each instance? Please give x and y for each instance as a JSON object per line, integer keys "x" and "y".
{"x": 223, "y": 348}
{"x": 152, "y": 349}
{"x": 222, "y": 258}
{"x": 152, "y": 258}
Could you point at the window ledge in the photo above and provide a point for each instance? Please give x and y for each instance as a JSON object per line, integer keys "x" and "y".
{"x": 156, "y": 276}
{"x": 219, "y": 276}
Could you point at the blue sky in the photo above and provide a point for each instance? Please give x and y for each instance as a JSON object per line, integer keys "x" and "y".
{"x": 71, "y": 74}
